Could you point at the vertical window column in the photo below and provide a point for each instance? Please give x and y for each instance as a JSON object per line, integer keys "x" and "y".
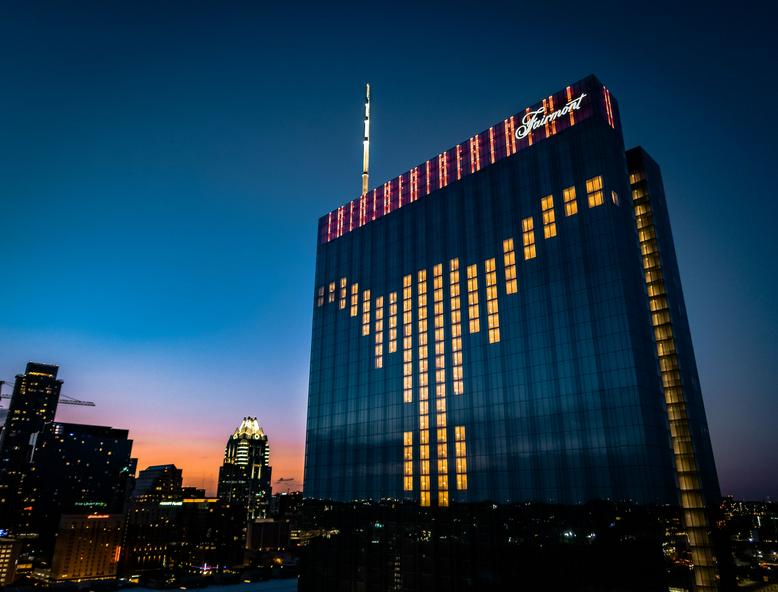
{"x": 379, "y": 332}
{"x": 331, "y": 297}
{"x": 549, "y": 219}
{"x": 571, "y": 205}
{"x": 456, "y": 326}
{"x": 473, "y": 313}
{"x": 342, "y": 299}
{"x": 408, "y": 461}
{"x": 407, "y": 339}
{"x": 509, "y": 260}
{"x": 460, "y": 450}
{"x": 492, "y": 310}
{"x": 424, "y": 448}
{"x": 354, "y": 300}
{"x": 528, "y": 237}
{"x": 440, "y": 381}
{"x": 366, "y": 312}
{"x": 392, "y": 322}
{"x": 320, "y": 297}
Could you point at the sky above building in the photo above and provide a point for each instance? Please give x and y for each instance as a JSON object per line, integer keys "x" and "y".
{"x": 164, "y": 165}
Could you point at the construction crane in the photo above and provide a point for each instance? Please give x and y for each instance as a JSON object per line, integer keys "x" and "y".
{"x": 63, "y": 399}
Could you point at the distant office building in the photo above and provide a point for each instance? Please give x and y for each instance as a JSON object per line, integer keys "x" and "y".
{"x": 87, "y": 548}
{"x": 244, "y": 478}
{"x": 74, "y": 469}
{"x": 9, "y": 555}
{"x": 505, "y": 323}
{"x": 152, "y": 515}
{"x": 33, "y": 404}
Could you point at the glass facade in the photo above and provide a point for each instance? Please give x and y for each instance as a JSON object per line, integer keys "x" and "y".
{"x": 524, "y": 364}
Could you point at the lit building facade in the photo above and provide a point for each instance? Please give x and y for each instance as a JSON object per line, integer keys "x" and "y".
{"x": 87, "y": 548}
{"x": 485, "y": 328}
{"x": 244, "y": 478}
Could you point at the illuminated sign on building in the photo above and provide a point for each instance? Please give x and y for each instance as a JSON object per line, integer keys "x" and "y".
{"x": 531, "y": 122}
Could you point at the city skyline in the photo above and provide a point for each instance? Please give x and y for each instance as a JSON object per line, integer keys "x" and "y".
{"x": 149, "y": 238}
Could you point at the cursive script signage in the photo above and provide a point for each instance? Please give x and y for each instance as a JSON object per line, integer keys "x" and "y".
{"x": 535, "y": 119}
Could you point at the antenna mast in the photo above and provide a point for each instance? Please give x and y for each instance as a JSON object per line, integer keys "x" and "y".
{"x": 366, "y": 141}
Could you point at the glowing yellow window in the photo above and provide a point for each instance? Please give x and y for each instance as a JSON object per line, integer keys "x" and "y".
{"x": 571, "y": 205}
{"x": 549, "y": 220}
{"x": 509, "y": 261}
{"x": 594, "y": 191}
{"x": 528, "y": 237}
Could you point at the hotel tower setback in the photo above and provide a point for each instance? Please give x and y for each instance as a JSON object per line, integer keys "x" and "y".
{"x": 505, "y": 322}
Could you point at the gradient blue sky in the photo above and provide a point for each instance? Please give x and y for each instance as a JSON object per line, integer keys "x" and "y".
{"x": 163, "y": 166}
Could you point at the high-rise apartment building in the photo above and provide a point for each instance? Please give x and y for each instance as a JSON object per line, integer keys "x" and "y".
{"x": 498, "y": 323}
{"x": 33, "y": 404}
{"x": 244, "y": 478}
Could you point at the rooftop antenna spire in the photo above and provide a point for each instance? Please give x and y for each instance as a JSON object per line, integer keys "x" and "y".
{"x": 366, "y": 141}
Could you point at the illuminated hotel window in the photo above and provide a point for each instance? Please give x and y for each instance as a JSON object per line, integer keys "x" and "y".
{"x": 366, "y": 312}
{"x": 424, "y": 465}
{"x": 509, "y": 260}
{"x": 379, "y": 332}
{"x": 571, "y": 205}
{"x": 615, "y": 197}
{"x": 342, "y": 300}
{"x": 528, "y": 236}
{"x": 594, "y": 191}
{"x": 320, "y": 297}
{"x": 408, "y": 456}
{"x": 473, "y": 314}
{"x": 331, "y": 297}
{"x": 549, "y": 220}
{"x": 392, "y": 322}
{"x": 456, "y": 326}
{"x": 354, "y": 300}
{"x": 407, "y": 339}
{"x": 493, "y": 316}
{"x": 460, "y": 452}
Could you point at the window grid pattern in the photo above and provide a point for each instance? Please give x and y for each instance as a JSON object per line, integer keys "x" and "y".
{"x": 366, "y": 312}
{"x": 571, "y": 204}
{"x": 528, "y": 238}
{"x": 408, "y": 339}
{"x": 354, "y": 309}
{"x": 594, "y": 191}
{"x": 460, "y": 452}
{"x": 492, "y": 309}
{"x": 392, "y": 322}
{"x": 408, "y": 461}
{"x": 455, "y": 303}
{"x": 424, "y": 447}
{"x": 689, "y": 482}
{"x": 379, "y": 332}
{"x": 473, "y": 314}
{"x": 342, "y": 294}
{"x": 440, "y": 380}
{"x": 509, "y": 260}
{"x": 549, "y": 219}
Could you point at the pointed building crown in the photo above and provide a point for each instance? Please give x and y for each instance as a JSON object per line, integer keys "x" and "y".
{"x": 249, "y": 428}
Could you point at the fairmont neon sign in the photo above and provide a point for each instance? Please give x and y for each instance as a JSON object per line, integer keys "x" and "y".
{"x": 535, "y": 119}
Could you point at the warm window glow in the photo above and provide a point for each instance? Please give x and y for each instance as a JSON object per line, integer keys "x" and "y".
{"x": 460, "y": 449}
{"x": 615, "y": 197}
{"x": 473, "y": 313}
{"x": 509, "y": 261}
{"x": 528, "y": 237}
{"x": 440, "y": 368}
{"x": 493, "y": 316}
{"x": 571, "y": 205}
{"x": 331, "y": 297}
{"x": 342, "y": 299}
{"x": 408, "y": 456}
{"x": 354, "y": 300}
{"x": 392, "y": 322}
{"x": 549, "y": 220}
{"x": 407, "y": 339}
{"x": 456, "y": 326}
{"x": 366, "y": 312}
{"x": 379, "y": 332}
{"x": 594, "y": 191}
{"x": 421, "y": 295}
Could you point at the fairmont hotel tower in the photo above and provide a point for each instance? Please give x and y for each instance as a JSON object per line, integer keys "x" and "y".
{"x": 505, "y": 322}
